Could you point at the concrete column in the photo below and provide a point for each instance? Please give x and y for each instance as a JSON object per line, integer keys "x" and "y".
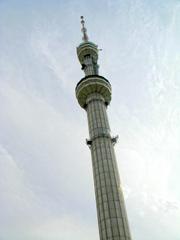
{"x": 112, "y": 218}
{"x": 89, "y": 70}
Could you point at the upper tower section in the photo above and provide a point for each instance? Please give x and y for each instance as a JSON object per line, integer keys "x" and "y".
{"x": 87, "y": 53}
{"x": 92, "y": 83}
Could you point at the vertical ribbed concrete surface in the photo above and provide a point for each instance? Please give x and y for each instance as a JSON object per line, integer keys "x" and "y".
{"x": 112, "y": 218}
{"x": 93, "y": 93}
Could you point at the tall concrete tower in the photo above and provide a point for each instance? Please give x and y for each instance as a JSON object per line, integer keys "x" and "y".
{"x": 93, "y": 93}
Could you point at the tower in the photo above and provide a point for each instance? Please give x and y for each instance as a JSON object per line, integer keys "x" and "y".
{"x": 93, "y": 93}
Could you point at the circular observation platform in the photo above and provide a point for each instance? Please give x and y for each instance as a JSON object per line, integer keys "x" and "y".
{"x": 93, "y": 84}
{"x": 87, "y": 48}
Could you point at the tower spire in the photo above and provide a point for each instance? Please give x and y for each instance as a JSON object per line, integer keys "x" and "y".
{"x": 87, "y": 53}
{"x": 84, "y": 30}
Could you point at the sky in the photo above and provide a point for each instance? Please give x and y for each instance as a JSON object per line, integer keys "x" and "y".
{"x": 46, "y": 182}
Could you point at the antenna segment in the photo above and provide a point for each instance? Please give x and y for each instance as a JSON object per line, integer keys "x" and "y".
{"x": 84, "y": 30}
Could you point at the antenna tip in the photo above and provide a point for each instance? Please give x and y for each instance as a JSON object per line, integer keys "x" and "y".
{"x": 82, "y": 20}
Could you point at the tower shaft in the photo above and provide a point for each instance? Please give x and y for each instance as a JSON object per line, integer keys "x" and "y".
{"x": 112, "y": 218}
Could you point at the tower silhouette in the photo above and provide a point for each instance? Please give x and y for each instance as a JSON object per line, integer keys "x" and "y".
{"x": 93, "y": 93}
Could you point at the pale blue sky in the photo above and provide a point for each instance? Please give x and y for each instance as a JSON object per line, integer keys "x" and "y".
{"x": 46, "y": 180}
